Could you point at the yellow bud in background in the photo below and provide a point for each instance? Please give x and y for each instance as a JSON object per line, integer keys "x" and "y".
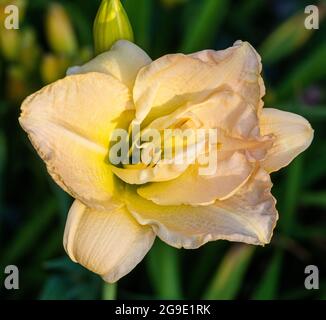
{"x": 111, "y": 24}
{"x": 10, "y": 43}
{"x": 59, "y": 31}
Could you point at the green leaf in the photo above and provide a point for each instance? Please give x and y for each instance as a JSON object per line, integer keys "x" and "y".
{"x": 204, "y": 25}
{"x": 29, "y": 233}
{"x": 247, "y": 10}
{"x": 286, "y": 39}
{"x": 3, "y": 160}
{"x": 204, "y": 266}
{"x": 62, "y": 265}
{"x": 291, "y": 194}
{"x": 313, "y": 172}
{"x": 316, "y": 199}
{"x": 80, "y": 21}
{"x": 68, "y": 280}
{"x": 55, "y": 289}
{"x": 268, "y": 285}
{"x": 308, "y": 232}
{"x": 230, "y": 275}
{"x": 311, "y": 69}
{"x": 60, "y": 287}
{"x": 164, "y": 270}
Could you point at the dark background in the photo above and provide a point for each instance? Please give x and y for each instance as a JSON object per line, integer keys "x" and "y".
{"x": 33, "y": 209}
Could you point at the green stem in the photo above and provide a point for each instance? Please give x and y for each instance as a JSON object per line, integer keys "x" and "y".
{"x": 109, "y": 291}
{"x": 317, "y": 199}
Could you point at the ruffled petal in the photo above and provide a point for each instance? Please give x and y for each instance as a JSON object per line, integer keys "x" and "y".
{"x": 224, "y": 110}
{"x": 193, "y": 188}
{"x": 173, "y": 80}
{"x": 250, "y": 83}
{"x": 249, "y": 216}
{"x": 70, "y": 123}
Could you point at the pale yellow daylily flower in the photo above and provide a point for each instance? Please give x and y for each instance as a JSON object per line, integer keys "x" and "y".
{"x": 119, "y": 211}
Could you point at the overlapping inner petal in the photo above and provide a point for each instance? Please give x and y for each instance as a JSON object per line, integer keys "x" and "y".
{"x": 219, "y": 90}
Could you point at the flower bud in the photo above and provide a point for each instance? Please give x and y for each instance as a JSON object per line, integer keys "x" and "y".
{"x": 10, "y": 43}
{"x": 60, "y": 33}
{"x": 111, "y": 24}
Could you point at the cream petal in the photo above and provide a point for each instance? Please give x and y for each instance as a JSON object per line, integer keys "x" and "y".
{"x": 292, "y": 135}
{"x": 224, "y": 110}
{"x": 69, "y": 123}
{"x": 110, "y": 244}
{"x": 123, "y": 62}
{"x": 173, "y": 80}
{"x": 251, "y": 86}
{"x": 191, "y": 188}
{"x": 255, "y": 148}
{"x": 249, "y": 216}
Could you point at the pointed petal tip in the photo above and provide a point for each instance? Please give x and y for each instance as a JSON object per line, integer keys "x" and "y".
{"x": 293, "y": 135}
{"x": 244, "y": 45}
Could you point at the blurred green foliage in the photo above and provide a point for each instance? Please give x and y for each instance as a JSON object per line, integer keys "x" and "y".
{"x": 55, "y": 35}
